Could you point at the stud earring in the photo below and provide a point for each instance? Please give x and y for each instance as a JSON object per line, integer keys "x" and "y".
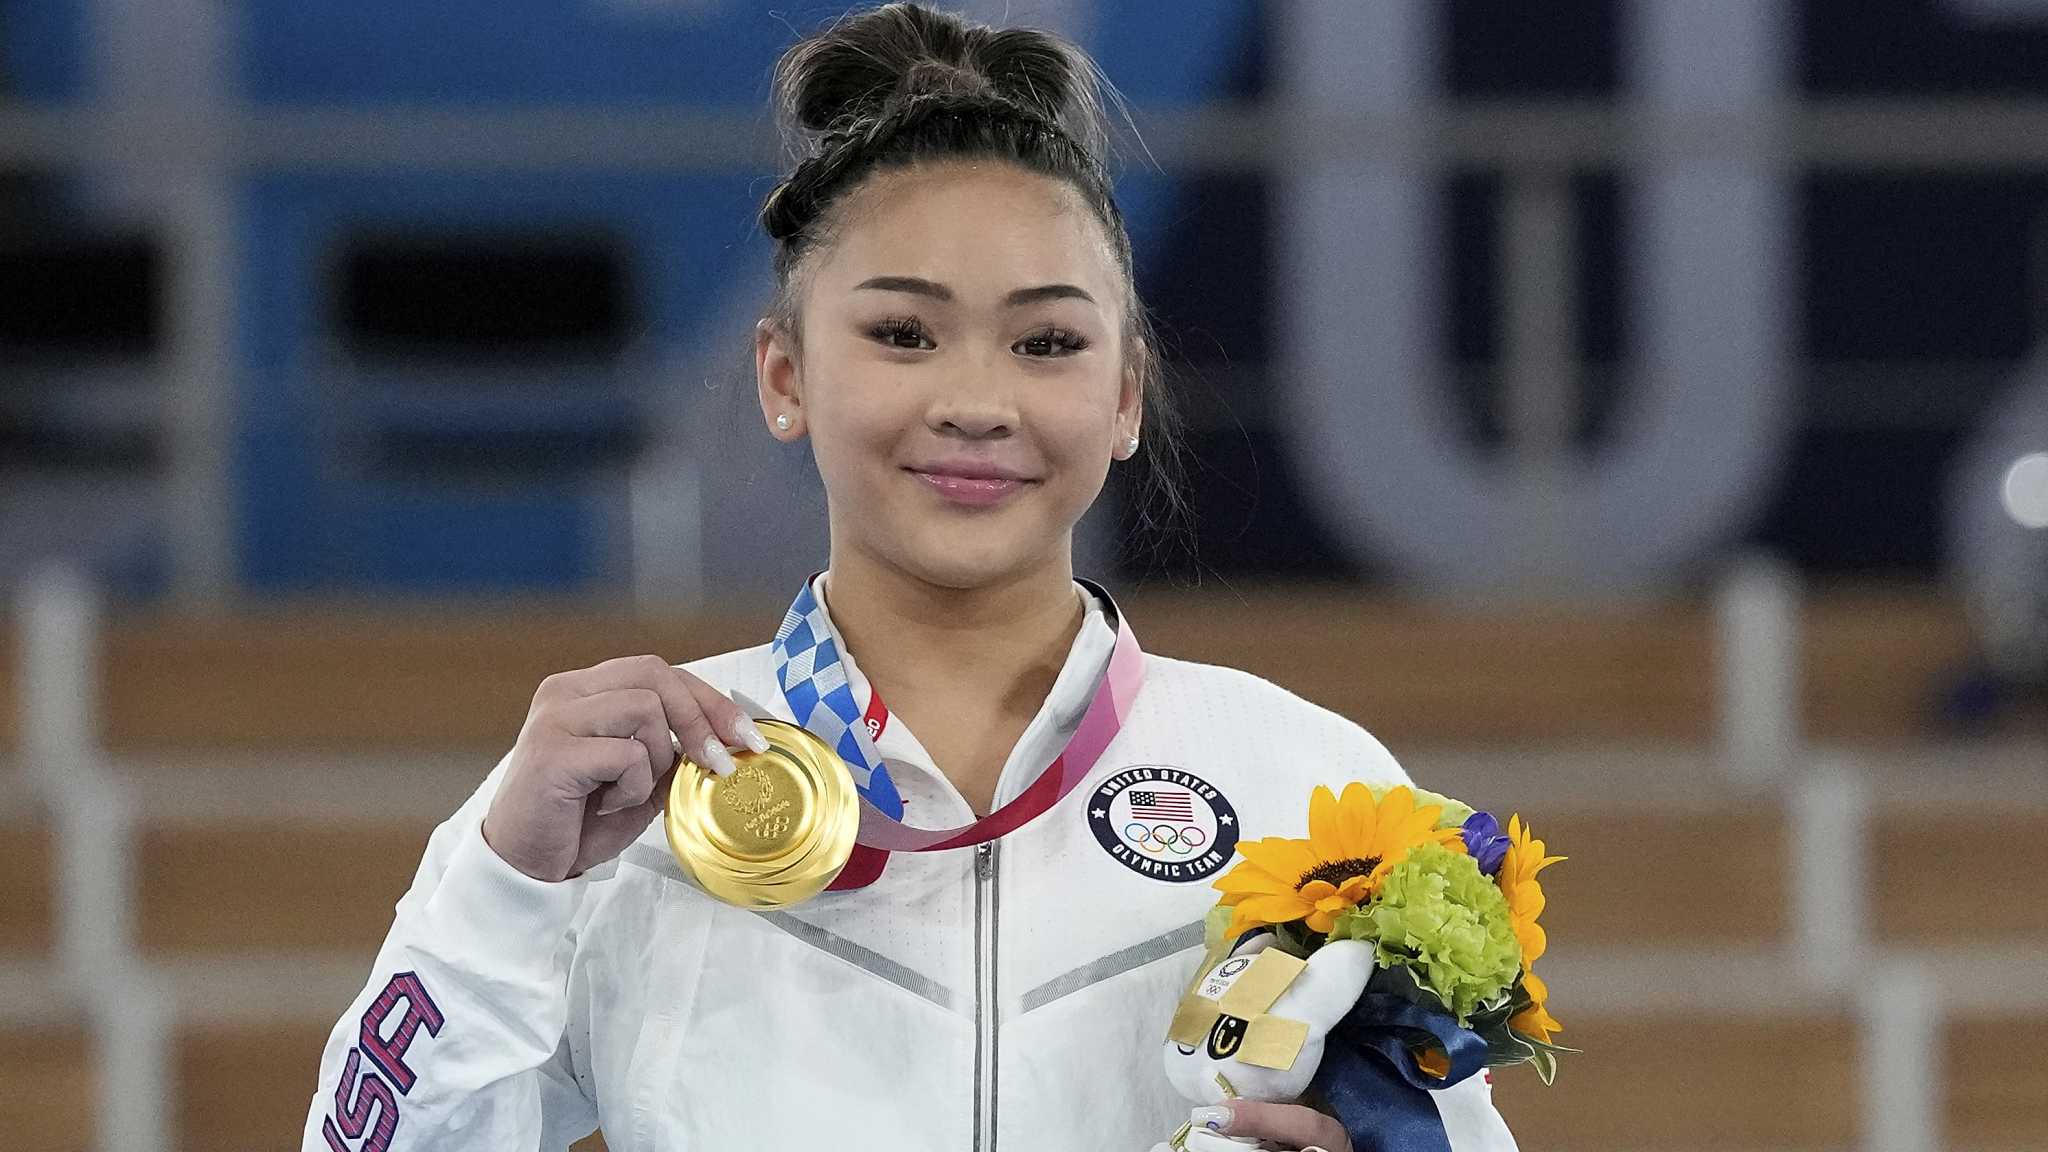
{"x": 1131, "y": 446}
{"x": 783, "y": 421}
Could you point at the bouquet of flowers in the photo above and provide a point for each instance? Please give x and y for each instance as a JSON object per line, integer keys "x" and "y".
{"x": 1389, "y": 953}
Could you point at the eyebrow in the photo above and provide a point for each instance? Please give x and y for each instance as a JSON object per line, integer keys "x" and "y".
{"x": 919, "y": 286}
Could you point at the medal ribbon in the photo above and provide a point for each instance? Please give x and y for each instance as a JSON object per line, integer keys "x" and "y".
{"x": 813, "y": 680}
{"x": 809, "y": 668}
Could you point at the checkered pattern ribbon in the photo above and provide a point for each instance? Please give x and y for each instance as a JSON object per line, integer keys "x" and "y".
{"x": 810, "y": 669}
{"x": 813, "y": 680}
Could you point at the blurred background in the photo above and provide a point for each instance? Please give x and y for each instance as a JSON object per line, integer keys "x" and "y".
{"x": 1630, "y": 410}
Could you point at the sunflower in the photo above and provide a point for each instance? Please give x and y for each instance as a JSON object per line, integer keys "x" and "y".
{"x": 1535, "y": 1020}
{"x": 1518, "y": 883}
{"x": 1352, "y": 844}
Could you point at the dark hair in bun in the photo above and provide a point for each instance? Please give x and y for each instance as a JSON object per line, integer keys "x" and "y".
{"x": 865, "y": 66}
{"x": 890, "y": 87}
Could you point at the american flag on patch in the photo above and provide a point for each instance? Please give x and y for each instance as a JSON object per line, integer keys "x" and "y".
{"x": 1173, "y": 806}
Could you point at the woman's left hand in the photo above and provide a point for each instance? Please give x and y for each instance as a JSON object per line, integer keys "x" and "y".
{"x": 1287, "y": 1125}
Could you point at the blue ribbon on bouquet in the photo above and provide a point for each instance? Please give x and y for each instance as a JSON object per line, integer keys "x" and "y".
{"x": 1369, "y": 1079}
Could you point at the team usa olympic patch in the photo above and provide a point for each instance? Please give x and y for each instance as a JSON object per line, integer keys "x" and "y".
{"x": 1163, "y": 823}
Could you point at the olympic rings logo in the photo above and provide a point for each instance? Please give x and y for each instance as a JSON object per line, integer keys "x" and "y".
{"x": 1164, "y": 823}
{"x": 1165, "y": 839}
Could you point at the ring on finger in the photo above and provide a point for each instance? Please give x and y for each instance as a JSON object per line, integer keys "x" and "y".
{"x": 675, "y": 743}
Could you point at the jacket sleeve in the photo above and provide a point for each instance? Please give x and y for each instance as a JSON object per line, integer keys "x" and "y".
{"x": 459, "y": 1040}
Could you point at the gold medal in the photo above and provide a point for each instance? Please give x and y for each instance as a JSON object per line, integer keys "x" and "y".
{"x": 773, "y": 833}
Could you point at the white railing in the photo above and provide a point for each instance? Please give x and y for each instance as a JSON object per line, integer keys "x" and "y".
{"x": 1899, "y": 1006}
{"x": 1757, "y": 642}
{"x": 99, "y": 966}
{"x": 1828, "y": 821}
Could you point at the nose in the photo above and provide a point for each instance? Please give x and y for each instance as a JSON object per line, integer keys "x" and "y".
{"x": 975, "y": 425}
{"x": 979, "y": 410}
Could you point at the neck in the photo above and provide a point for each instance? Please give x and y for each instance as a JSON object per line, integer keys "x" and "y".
{"x": 1003, "y": 644}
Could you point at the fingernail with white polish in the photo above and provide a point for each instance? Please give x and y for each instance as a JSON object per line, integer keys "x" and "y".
{"x": 1214, "y": 1117}
{"x": 750, "y": 735}
{"x": 717, "y": 758}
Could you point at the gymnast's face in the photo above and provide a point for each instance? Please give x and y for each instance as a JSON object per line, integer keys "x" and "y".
{"x": 961, "y": 371}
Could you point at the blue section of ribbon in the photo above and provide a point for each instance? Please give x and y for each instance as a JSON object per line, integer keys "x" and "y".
{"x": 1370, "y": 1082}
{"x": 812, "y": 675}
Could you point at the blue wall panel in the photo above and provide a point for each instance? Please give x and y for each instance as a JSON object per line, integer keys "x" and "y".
{"x": 42, "y": 50}
{"x": 480, "y": 52}
{"x": 305, "y": 527}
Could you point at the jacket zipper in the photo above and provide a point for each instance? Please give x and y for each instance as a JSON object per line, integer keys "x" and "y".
{"x": 987, "y": 1010}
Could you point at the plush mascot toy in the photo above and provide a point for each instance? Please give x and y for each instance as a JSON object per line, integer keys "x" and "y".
{"x": 1255, "y": 1026}
{"x": 1258, "y": 1025}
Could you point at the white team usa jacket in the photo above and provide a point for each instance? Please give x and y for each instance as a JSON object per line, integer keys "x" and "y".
{"x": 1013, "y": 996}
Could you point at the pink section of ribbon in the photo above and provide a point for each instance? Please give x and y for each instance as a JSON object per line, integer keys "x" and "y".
{"x": 1099, "y": 725}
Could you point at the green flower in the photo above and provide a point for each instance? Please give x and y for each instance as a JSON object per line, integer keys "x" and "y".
{"x": 1455, "y": 812}
{"x": 1439, "y": 916}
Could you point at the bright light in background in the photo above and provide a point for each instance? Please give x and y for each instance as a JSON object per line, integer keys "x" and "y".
{"x": 2026, "y": 490}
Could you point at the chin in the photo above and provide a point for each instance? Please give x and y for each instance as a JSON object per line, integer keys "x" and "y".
{"x": 960, "y": 572}
{"x": 963, "y": 564}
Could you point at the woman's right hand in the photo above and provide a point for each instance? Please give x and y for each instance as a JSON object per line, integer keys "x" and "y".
{"x": 594, "y": 758}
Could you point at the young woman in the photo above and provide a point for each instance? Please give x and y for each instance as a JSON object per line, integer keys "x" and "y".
{"x": 958, "y": 337}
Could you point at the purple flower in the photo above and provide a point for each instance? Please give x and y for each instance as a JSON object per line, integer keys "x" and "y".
{"x": 1485, "y": 842}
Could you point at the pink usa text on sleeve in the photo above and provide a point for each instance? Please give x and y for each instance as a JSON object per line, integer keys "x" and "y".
{"x": 366, "y": 1099}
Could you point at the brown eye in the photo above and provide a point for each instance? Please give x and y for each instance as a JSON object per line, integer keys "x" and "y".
{"x": 1048, "y": 343}
{"x": 906, "y": 334}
